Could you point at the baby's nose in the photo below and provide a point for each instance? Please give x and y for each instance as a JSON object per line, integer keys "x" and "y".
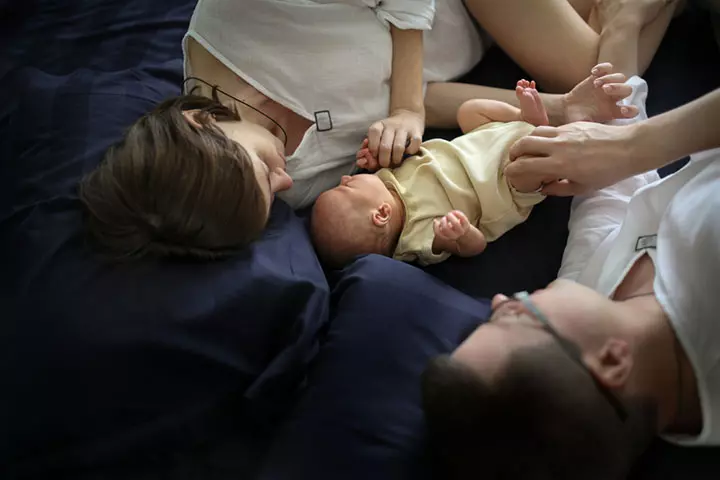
{"x": 345, "y": 179}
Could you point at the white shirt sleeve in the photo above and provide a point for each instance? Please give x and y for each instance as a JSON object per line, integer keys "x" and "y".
{"x": 593, "y": 218}
{"x": 406, "y": 14}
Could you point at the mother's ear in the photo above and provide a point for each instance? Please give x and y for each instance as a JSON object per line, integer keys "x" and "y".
{"x": 190, "y": 117}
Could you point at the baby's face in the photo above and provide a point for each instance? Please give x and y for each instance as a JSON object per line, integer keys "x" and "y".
{"x": 352, "y": 219}
{"x": 359, "y": 192}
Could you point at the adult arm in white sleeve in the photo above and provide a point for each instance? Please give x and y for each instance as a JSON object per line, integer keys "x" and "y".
{"x": 407, "y": 14}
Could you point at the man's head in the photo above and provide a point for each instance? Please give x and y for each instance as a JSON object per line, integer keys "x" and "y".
{"x": 188, "y": 178}
{"x": 358, "y": 217}
{"x": 550, "y": 397}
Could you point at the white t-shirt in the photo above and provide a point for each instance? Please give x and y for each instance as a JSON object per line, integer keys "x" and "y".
{"x": 330, "y": 62}
{"x": 676, "y": 221}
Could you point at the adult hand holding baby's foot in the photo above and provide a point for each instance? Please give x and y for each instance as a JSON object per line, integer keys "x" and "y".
{"x": 596, "y": 98}
{"x": 452, "y": 226}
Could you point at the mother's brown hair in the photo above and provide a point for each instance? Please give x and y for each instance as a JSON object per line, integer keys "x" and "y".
{"x": 173, "y": 188}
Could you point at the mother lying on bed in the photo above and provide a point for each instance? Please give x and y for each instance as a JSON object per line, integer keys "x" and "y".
{"x": 310, "y": 80}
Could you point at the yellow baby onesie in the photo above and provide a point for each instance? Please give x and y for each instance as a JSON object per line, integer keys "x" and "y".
{"x": 465, "y": 174}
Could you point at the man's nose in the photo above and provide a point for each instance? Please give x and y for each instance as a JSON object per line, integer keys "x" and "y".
{"x": 497, "y": 300}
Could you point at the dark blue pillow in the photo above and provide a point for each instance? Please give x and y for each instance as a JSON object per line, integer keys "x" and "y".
{"x": 103, "y": 361}
{"x": 360, "y": 416}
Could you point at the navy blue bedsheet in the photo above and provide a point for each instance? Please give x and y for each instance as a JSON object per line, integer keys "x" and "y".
{"x": 131, "y": 364}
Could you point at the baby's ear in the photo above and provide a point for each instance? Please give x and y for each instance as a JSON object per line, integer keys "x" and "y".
{"x": 382, "y": 215}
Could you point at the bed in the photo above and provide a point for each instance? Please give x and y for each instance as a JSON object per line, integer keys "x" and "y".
{"x": 263, "y": 366}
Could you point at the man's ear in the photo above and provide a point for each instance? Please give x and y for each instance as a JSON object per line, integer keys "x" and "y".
{"x": 382, "y": 215}
{"x": 613, "y": 363}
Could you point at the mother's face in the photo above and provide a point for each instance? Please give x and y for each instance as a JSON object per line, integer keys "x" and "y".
{"x": 267, "y": 153}
{"x": 264, "y": 148}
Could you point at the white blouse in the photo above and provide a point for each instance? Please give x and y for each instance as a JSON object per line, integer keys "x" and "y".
{"x": 330, "y": 62}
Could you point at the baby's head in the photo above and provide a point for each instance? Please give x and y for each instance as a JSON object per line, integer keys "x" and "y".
{"x": 187, "y": 179}
{"x": 360, "y": 216}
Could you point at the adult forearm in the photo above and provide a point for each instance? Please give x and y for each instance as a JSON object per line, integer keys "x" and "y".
{"x": 619, "y": 46}
{"x": 665, "y": 138}
{"x": 407, "y": 70}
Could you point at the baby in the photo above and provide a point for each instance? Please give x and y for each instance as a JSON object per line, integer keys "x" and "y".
{"x": 449, "y": 199}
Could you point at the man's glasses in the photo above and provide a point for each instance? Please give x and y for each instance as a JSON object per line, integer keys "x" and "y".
{"x": 569, "y": 347}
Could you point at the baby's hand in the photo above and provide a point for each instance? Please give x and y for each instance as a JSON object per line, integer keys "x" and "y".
{"x": 452, "y": 226}
{"x": 365, "y": 159}
{"x": 391, "y": 138}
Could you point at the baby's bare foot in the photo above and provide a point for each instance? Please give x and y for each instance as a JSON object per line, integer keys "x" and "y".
{"x": 531, "y": 106}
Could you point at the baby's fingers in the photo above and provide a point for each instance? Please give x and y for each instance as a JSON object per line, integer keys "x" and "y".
{"x": 362, "y": 153}
{"x": 438, "y": 228}
{"x": 456, "y": 224}
{"x": 366, "y": 160}
{"x": 453, "y": 221}
{"x": 461, "y": 217}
